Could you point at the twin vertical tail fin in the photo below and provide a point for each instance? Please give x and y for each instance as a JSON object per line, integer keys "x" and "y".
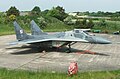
{"x": 35, "y": 29}
{"x": 20, "y": 34}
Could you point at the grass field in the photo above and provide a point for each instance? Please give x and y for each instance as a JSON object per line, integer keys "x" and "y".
{"x": 111, "y": 26}
{"x": 21, "y": 74}
{"x": 7, "y": 29}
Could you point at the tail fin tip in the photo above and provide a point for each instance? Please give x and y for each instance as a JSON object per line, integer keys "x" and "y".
{"x": 35, "y": 28}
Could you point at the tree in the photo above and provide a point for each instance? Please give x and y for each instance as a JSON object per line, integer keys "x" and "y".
{"x": 102, "y": 22}
{"x": 36, "y": 11}
{"x": 42, "y": 22}
{"x": 100, "y": 13}
{"x": 12, "y": 17}
{"x": 13, "y": 11}
{"x": 70, "y": 20}
{"x": 44, "y": 13}
{"x": 2, "y": 17}
{"x": 86, "y": 23}
{"x": 86, "y": 13}
{"x": 89, "y": 23}
{"x": 57, "y": 12}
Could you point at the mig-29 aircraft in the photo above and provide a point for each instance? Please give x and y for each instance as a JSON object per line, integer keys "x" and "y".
{"x": 42, "y": 39}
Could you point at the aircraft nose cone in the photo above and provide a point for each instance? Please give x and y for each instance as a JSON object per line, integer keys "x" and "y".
{"x": 101, "y": 40}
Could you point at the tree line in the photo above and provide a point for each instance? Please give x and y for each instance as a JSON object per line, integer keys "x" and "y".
{"x": 42, "y": 17}
{"x": 55, "y": 15}
{"x": 57, "y": 12}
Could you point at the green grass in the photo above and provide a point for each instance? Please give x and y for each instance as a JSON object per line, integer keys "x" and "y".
{"x": 22, "y": 74}
{"x": 111, "y": 26}
{"x": 7, "y": 29}
{"x": 58, "y": 26}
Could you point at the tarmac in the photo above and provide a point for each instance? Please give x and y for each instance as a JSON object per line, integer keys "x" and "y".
{"x": 89, "y": 57}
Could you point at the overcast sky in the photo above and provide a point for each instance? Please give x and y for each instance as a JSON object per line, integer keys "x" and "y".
{"x": 69, "y": 5}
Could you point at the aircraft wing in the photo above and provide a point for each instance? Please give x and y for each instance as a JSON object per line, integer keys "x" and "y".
{"x": 69, "y": 39}
{"x": 32, "y": 41}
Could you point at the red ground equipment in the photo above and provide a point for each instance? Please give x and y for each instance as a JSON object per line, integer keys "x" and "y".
{"x": 73, "y": 69}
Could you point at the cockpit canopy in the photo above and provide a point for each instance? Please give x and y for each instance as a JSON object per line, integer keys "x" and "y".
{"x": 80, "y": 31}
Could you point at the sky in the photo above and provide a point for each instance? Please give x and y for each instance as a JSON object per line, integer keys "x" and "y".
{"x": 68, "y": 5}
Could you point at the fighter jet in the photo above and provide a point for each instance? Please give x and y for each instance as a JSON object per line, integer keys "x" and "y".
{"x": 42, "y": 39}
{"x": 76, "y": 33}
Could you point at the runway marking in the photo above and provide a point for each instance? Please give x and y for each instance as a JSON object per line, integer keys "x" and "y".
{"x": 91, "y": 59}
{"x": 37, "y": 57}
{"x": 86, "y": 47}
{"x": 47, "y": 61}
{"x": 101, "y": 59}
